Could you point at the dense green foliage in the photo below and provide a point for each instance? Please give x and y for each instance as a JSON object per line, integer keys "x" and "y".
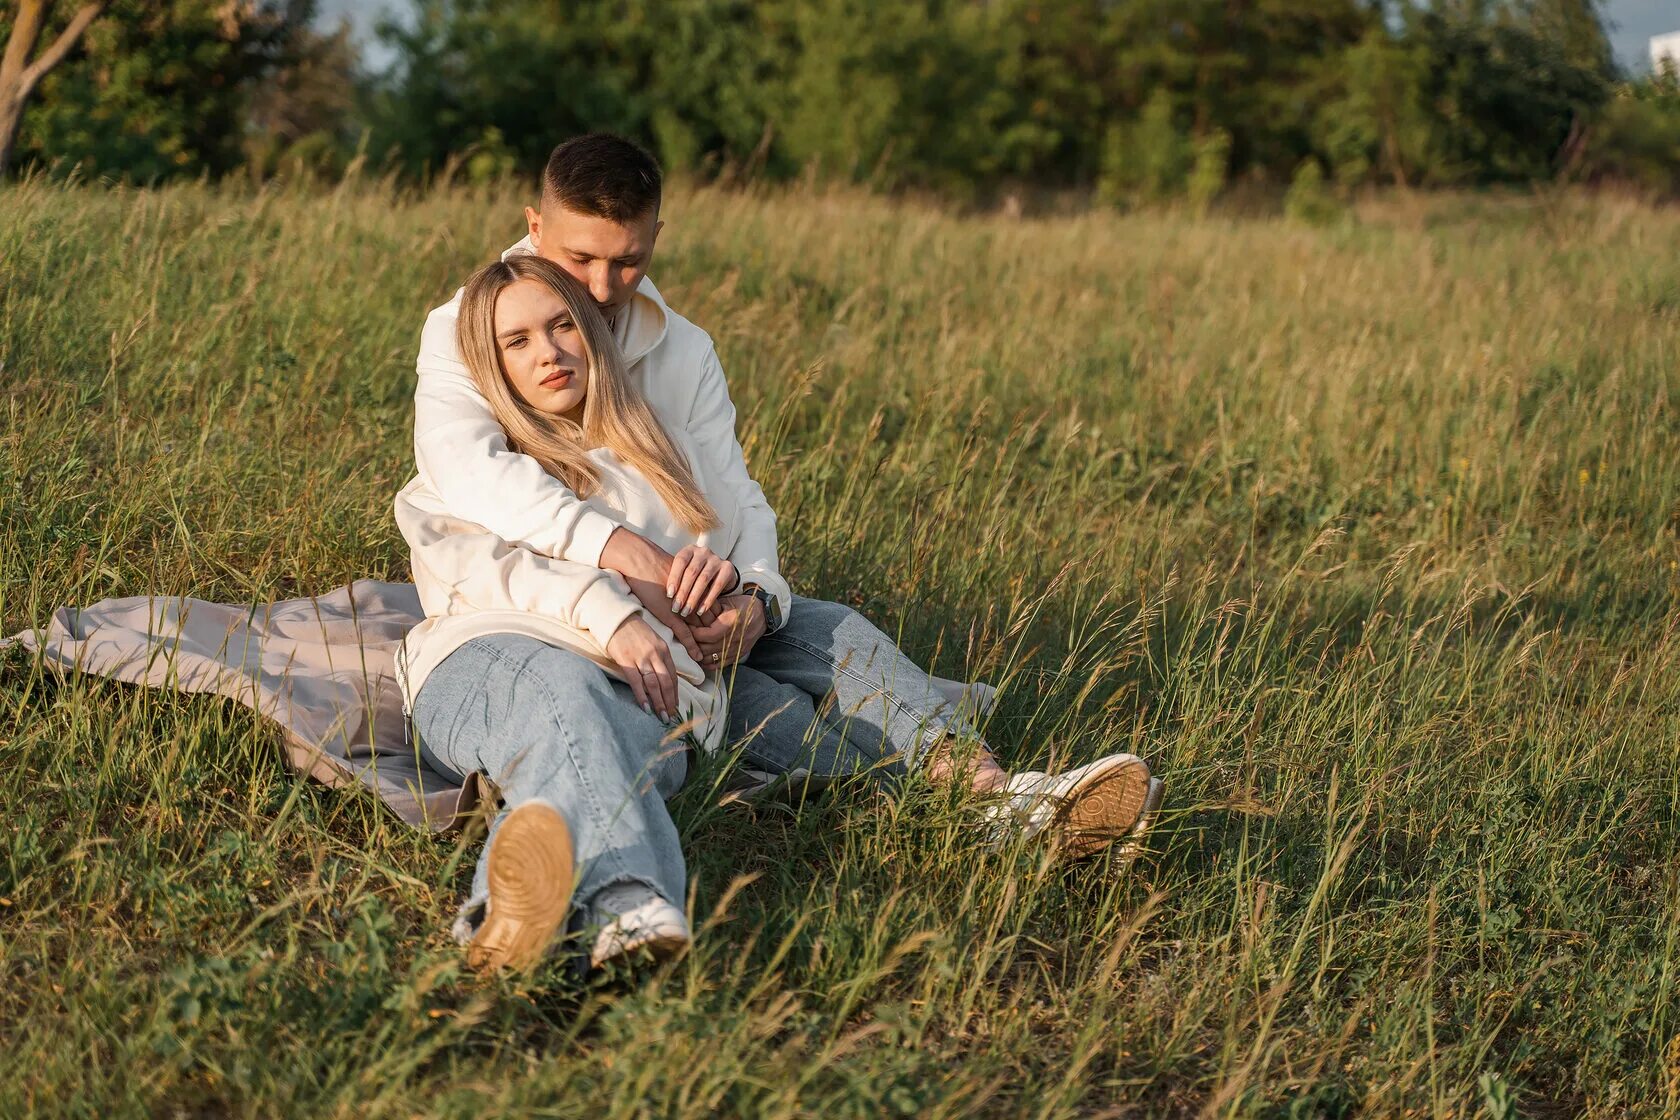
{"x": 1143, "y": 98}
{"x": 1637, "y": 138}
{"x": 160, "y": 89}
{"x": 1368, "y": 536}
{"x": 1139, "y": 99}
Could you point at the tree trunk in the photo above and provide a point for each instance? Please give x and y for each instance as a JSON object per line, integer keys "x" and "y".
{"x": 11, "y": 117}
{"x": 19, "y": 76}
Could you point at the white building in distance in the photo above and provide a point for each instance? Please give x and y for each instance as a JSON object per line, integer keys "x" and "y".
{"x": 1665, "y": 50}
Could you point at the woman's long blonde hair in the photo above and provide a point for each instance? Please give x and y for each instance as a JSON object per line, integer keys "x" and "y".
{"x": 615, "y": 414}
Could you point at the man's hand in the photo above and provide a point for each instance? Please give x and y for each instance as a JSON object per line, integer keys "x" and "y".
{"x": 645, "y": 567}
{"x": 646, "y": 661}
{"x": 731, "y": 636}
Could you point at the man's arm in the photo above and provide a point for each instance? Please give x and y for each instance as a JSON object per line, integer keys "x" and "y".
{"x": 484, "y": 572}
{"x": 712, "y": 425}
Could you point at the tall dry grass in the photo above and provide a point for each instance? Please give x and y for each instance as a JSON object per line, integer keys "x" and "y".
{"x": 1365, "y": 536}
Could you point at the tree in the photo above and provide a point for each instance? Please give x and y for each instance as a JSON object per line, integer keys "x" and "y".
{"x": 19, "y": 76}
{"x": 303, "y": 119}
{"x": 1383, "y": 121}
{"x": 510, "y": 75}
{"x": 1509, "y": 89}
{"x": 161, "y": 88}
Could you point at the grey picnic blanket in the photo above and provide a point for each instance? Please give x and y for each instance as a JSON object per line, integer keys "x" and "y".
{"x": 322, "y": 668}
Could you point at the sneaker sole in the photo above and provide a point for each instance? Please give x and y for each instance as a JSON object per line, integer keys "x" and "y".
{"x": 1104, "y": 808}
{"x": 1132, "y": 845}
{"x": 531, "y": 876}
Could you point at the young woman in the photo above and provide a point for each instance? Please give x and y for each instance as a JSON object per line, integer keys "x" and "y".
{"x": 548, "y": 676}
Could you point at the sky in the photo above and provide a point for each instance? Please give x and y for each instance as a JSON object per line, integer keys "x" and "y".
{"x": 1632, "y": 23}
{"x": 363, "y": 15}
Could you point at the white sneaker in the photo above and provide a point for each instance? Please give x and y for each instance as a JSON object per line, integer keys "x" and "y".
{"x": 746, "y": 786}
{"x": 641, "y": 921}
{"x": 1082, "y": 810}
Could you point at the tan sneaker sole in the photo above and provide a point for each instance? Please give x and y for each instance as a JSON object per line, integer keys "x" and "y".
{"x": 1103, "y": 808}
{"x": 1132, "y": 846}
{"x": 531, "y": 876}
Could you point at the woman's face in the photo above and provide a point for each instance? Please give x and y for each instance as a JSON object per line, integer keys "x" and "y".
{"x": 541, "y": 348}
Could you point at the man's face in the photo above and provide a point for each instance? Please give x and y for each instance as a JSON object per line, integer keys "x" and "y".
{"x": 607, "y": 258}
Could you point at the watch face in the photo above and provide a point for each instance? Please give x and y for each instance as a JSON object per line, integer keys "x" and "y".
{"x": 772, "y": 608}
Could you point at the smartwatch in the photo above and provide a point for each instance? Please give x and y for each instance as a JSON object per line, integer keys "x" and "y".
{"x": 772, "y": 607}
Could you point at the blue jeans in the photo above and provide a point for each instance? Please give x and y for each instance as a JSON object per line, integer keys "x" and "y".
{"x": 544, "y": 723}
{"x": 831, "y": 694}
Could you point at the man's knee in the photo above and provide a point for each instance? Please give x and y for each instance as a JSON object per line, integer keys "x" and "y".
{"x": 832, "y": 623}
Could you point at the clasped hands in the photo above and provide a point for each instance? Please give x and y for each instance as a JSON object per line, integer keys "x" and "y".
{"x": 687, "y": 592}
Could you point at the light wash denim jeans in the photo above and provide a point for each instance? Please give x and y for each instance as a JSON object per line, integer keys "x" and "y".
{"x": 545, "y": 723}
{"x": 831, "y": 694}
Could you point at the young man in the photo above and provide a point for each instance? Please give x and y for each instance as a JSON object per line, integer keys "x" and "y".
{"x": 599, "y": 220}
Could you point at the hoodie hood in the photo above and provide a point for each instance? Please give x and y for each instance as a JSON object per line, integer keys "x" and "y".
{"x": 640, "y": 327}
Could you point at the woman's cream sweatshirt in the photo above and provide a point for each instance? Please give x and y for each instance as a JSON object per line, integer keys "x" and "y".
{"x": 473, "y": 583}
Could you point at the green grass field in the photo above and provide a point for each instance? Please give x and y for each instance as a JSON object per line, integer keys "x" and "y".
{"x": 1366, "y": 536}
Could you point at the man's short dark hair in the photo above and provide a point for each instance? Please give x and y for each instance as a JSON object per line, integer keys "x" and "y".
{"x": 602, "y": 175}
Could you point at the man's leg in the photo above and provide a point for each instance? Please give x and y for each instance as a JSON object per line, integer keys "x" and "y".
{"x": 550, "y": 727}
{"x": 831, "y": 665}
{"x": 888, "y": 706}
{"x": 781, "y": 731}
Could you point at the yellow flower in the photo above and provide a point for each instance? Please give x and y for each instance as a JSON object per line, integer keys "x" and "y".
{"x": 1586, "y": 476}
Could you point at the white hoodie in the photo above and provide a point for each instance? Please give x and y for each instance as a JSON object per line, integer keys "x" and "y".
{"x": 463, "y": 457}
{"x": 473, "y": 583}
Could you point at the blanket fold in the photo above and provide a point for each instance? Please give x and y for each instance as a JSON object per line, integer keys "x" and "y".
{"x": 322, "y": 668}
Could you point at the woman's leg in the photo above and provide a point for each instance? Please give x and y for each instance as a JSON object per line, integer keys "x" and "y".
{"x": 547, "y": 725}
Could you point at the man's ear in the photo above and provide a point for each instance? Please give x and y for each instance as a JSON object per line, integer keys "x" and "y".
{"x": 533, "y": 222}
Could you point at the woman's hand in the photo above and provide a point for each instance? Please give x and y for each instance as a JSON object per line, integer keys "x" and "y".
{"x": 698, "y": 576}
{"x": 648, "y": 669}
{"x": 646, "y": 568}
